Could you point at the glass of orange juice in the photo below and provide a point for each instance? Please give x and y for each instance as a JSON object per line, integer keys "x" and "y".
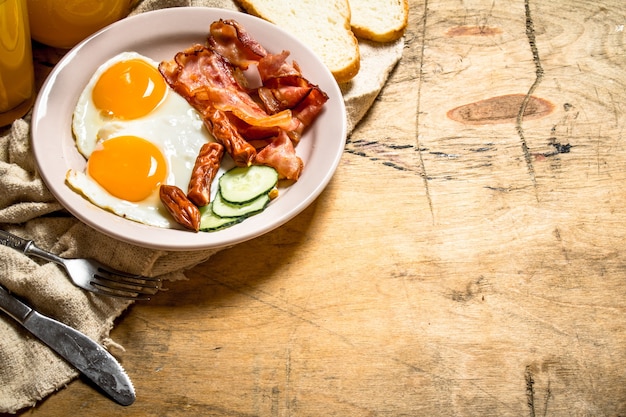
{"x": 17, "y": 79}
{"x": 64, "y": 23}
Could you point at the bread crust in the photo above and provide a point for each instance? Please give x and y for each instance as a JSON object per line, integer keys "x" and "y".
{"x": 349, "y": 60}
{"x": 348, "y": 72}
{"x": 390, "y": 34}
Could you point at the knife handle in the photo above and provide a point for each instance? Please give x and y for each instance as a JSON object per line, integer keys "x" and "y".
{"x": 12, "y": 306}
{"x": 15, "y": 242}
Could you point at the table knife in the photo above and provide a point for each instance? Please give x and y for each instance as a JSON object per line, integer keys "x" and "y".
{"x": 91, "y": 359}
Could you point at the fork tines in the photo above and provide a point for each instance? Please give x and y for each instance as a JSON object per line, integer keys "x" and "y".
{"x": 124, "y": 285}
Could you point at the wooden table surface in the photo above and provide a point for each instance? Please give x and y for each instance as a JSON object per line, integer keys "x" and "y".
{"x": 467, "y": 259}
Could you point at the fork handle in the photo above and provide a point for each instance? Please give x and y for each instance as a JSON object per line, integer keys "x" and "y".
{"x": 26, "y": 246}
{"x": 15, "y": 242}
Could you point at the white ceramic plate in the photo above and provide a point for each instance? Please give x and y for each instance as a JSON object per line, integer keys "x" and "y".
{"x": 159, "y": 35}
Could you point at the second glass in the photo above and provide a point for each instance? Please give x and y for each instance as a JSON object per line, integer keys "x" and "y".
{"x": 17, "y": 76}
{"x": 64, "y": 23}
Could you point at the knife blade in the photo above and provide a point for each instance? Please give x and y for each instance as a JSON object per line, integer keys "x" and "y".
{"x": 91, "y": 359}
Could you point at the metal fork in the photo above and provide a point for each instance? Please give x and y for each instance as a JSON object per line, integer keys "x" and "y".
{"x": 90, "y": 274}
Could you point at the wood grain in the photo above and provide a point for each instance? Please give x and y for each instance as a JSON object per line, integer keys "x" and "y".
{"x": 450, "y": 268}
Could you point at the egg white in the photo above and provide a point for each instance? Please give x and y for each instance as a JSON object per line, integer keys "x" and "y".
{"x": 174, "y": 127}
{"x": 149, "y": 211}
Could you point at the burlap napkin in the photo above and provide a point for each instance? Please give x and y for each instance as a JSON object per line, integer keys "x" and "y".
{"x": 29, "y": 371}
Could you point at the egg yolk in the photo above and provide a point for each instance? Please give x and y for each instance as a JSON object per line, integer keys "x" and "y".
{"x": 129, "y": 89}
{"x": 128, "y": 167}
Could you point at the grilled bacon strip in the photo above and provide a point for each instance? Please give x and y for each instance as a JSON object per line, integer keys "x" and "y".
{"x": 202, "y": 77}
{"x": 285, "y": 87}
{"x": 283, "y": 79}
{"x": 273, "y": 117}
{"x": 230, "y": 40}
{"x": 280, "y": 154}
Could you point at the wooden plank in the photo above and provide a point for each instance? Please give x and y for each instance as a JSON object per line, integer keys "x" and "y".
{"x": 449, "y": 269}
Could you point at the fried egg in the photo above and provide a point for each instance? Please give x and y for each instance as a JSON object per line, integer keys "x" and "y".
{"x": 136, "y": 133}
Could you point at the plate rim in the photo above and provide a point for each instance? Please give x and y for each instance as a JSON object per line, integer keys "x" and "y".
{"x": 196, "y": 241}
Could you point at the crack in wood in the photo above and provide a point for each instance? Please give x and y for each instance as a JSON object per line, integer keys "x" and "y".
{"x": 532, "y": 399}
{"x": 530, "y": 390}
{"x": 530, "y": 34}
{"x": 548, "y": 396}
{"x": 385, "y": 153}
{"x": 417, "y": 117}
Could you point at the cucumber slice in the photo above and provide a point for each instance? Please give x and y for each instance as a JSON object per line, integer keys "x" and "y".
{"x": 210, "y": 222}
{"x": 223, "y": 208}
{"x": 241, "y": 185}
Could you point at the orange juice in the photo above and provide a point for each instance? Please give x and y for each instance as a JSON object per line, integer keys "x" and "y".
{"x": 17, "y": 80}
{"x": 64, "y": 23}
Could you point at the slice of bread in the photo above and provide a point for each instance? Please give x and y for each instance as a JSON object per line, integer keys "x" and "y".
{"x": 379, "y": 20}
{"x": 324, "y": 26}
